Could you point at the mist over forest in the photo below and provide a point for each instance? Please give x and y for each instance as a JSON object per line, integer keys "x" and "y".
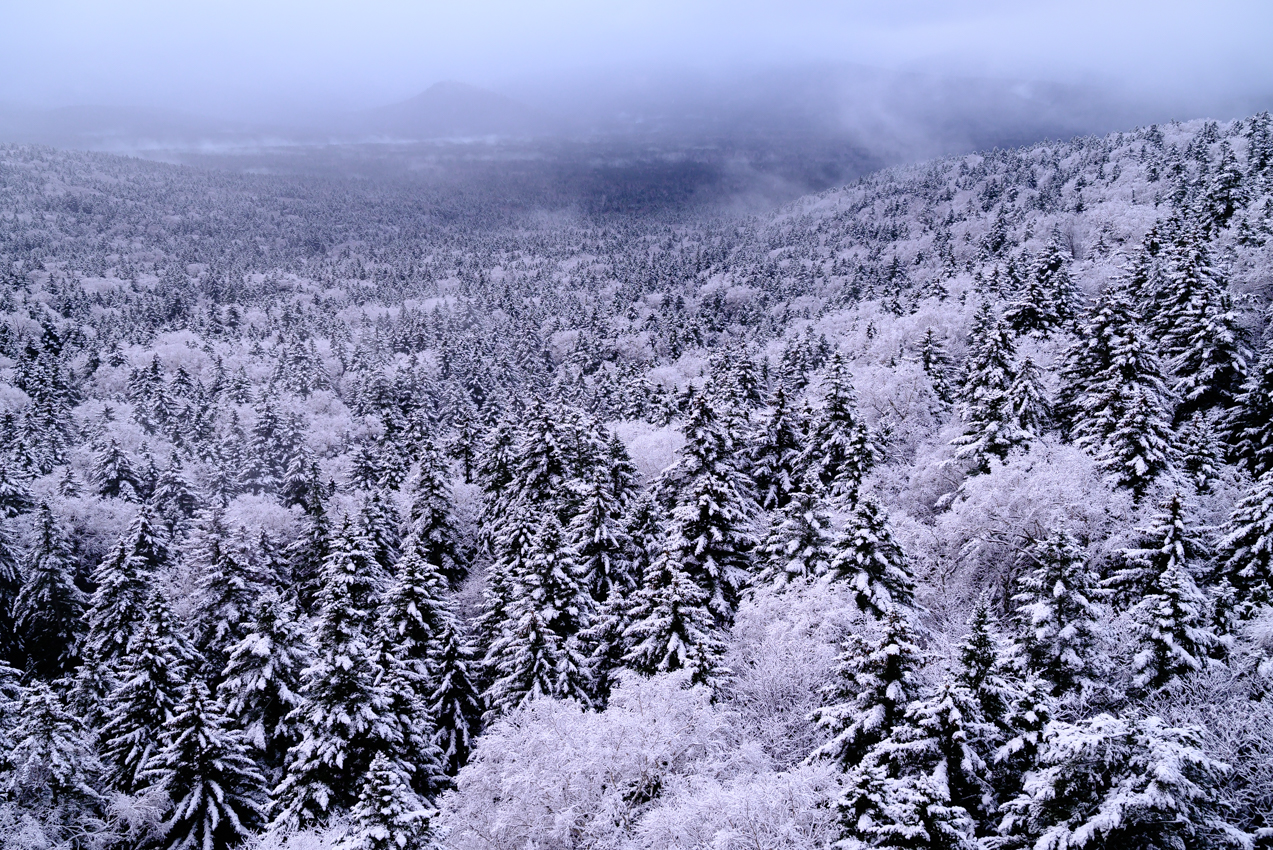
{"x": 784, "y": 455}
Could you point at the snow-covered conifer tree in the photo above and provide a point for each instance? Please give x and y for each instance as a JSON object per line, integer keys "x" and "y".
{"x": 49, "y": 609}
{"x": 866, "y": 556}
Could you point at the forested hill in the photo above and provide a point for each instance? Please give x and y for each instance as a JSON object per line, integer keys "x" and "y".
{"x": 931, "y": 511}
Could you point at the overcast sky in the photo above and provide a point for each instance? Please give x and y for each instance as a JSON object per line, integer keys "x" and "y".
{"x": 229, "y": 56}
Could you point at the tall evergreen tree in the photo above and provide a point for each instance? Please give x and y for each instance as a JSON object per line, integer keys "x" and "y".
{"x": 143, "y": 702}
{"x": 432, "y": 517}
{"x": 1249, "y": 426}
{"x": 990, "y": 427}
{"x": 260, "y": 685}
{"x": 775, "y": 454}
{"x": 206, "y": 769}
{"x": 122, "y": 580}
{"x": 875, "y": 681}
{"x": 113, "y": 473}
{"x": 866, "y": 556}
{"x": 1244, "y": 570}
{"x": 49, "y": 610}
{"x": 454, "y": 704}
{"x": 670, "y": 624}
{"x": 839, "y": 451}
{"x": 712, "y": 510}
{"x": 1058, "y": 610}
{"x": 798, "y": 545}
{"x": 389, "y": 814}
{"x": 539, "y": 652}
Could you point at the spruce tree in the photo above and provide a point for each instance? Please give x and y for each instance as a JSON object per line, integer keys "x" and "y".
{"x": 985, "y": 664}
{"x": 539, "y": 652}
{"x": 990, "y": 427}
{"x": 339, "y": 719}
{"x": 225, "y": 590}
{"x": 260, "y": 684}
{"x": 52, "y": 768}
{"x": 839, "y": 451}
{"x": 49, "y": 610}
{"x": 113, "y": 473}
{"x": 599, "y": 542}
{"x": 122, "y": 580}
{"x": 1243, "y": 575}
{"x": 712, "y": 511}
{"x": 455, "y": 704}
{"x": 1249, "y": 425}
{"x": 1058, "y": 610}
{"x": 875, "y": 681}
{"x": 389, "y": 815}
{"x": 206, "y": 769}
{"x": 1120, "y": 782}
{"x": 798, "y": 545}
{"x": 1171, "y": 628}
{"x": 868, "y": 559}
{"x": 670, "y": 623}
{"x": 775, "y": 454}
{"x": 143, "y": 702}
{"x": 937, "y": 366}
{"x": 432, "y": 517}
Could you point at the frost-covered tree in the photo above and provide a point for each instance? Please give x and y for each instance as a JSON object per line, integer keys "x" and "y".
{"x": 875, "y": 681}
{"x": 539, "y": 652}
{"x": 1120, "y": 782}
{"x": 389, "y": 815}
{"x": 52, "y": 768}
{"x": 137, "y": 710}
{"x": 798, "y": 545}
{"x": 599, "y": 543}
{"x": 1171, "y": 626}
{"x": 225, "y": 589}
{"x": 1169, "y": 542}
{"x": 455, "y": 703}
{"x": 206, "y": 769}
{"x": 985, "y": 403}
{"x": 113, "y": 473}
{"x": 1249, "y": 425}
{"x": 1243, "y": 575}
{"x": 712, "y": 510}
{"x": 670, "y": 623}
{"x": 839, "y": 450}
{"x": 432, "y": 515}
{"x": 985, "y": 664}
{"x": 122, "y": 583}
{"x": 49, "y": 609}
{"x": 259, "y": 686}
{"x": 775, "y": 452}
{"x": 869, "y": 560}
{"x": 1058, "y": 611}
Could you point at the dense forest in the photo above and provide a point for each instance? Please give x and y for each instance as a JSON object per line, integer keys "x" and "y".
{"x": 935, "y": 510}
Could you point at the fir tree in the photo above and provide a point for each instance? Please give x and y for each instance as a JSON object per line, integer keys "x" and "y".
{"x": 432, "y": 518}
{"x": 143, "y": 703}
{"x": 875, "y": 681}
{"x": 206, "y": 769}
{"x": 775, "y": 454}
{"x": 1249, "y": 426}
{"x": 599, "y": 542}
{"x": 52, "y": 767}
{"x": 839, "y": 451}
{"x": 340, "y": 716}
{"x": 985, "y": 664}
{"x": 712, "y": 511}
{"x": 868, "y": 559}
{"x": 1058, "y": 609}
{"x": 389, "y": 815}
{"x": 670, "y": 625}
{"x": 1170, "y": 626}
{"x": 1244, "y": 569}
{"x": 1169, "y": 540}
{"x": 1120, "y": 782}
{"x": 990, "y": 427}
{"x": 937, "y": 366}
{"x": 539, "y": 651}
{"x": 259, "y": 687}
{"x": 49, "y": 609}
{"x": 798, "y": 545}
{"x": 225, "y": 590}
{"x": 454, "y": 704}
{"x": 122, "y": 580}
{"x": 113, "y": 474}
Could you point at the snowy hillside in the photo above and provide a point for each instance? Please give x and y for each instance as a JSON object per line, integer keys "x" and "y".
{"x": 935, "y": 510}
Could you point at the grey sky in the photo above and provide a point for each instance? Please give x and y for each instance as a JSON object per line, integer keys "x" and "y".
{"x": 241, "y": 55}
